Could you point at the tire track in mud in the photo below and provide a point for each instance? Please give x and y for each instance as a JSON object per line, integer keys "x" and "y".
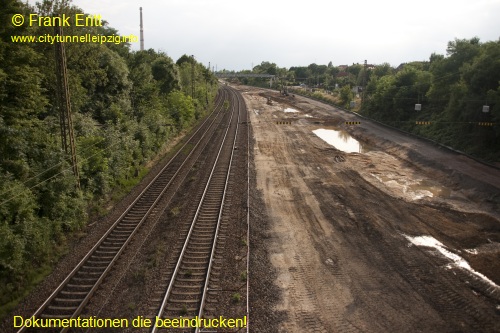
{"x": 303, "y": 298}
{"x": 309, "y": 301}
{"x": 310, "y": 288}
{"x": 348, "y": 268}
{"x": 391, "y": 255}
{"x": 387, "y": 251}
{"x": 312, "y": 307}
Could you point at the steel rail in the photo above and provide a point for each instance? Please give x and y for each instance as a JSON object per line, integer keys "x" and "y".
{"x": 112, "y": 228}
{"x": 193, "y": 223}
{"x": 248, "y": 224}
{"x": 212, "y": 254}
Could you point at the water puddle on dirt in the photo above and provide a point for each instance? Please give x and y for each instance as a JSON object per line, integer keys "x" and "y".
{"x": 429, "y": 186}
{"x": 417, "y": 189}
{"x": 456, "y": 260}
{"x": 290, "y": 110}
{"x": 341, "y": 140}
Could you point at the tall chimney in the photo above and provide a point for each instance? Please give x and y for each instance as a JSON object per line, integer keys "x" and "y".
{"x": 142, "y": 31}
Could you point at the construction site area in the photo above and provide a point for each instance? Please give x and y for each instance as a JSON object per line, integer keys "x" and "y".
{"x": 363, "y": 228}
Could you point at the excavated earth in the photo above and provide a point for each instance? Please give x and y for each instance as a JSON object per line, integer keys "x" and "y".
{"x": 401, "y": 235}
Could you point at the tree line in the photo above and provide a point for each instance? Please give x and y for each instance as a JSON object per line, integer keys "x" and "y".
{"x": 458, "y": 93}
{"x": 126, "y": 106}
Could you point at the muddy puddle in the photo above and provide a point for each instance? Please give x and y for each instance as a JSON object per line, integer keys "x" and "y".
{"x": 415, "y": 188}
{"x": 455, "y": 260}
{"x": 342, "y": 141}
{"x": 412, "y": 187}
{"x": 431, "y": 187}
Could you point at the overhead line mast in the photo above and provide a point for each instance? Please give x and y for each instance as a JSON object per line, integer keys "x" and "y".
{"x": 64, "y": 101}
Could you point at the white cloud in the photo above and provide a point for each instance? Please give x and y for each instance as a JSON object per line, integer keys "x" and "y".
{"x": 234, "y": 33}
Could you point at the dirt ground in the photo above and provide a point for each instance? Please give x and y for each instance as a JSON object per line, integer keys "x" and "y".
{"x": 346, "y": 230}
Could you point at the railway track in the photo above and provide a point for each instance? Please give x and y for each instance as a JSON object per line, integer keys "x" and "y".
{"x": 190, "y": 281}
{"x": 71, "y": 296}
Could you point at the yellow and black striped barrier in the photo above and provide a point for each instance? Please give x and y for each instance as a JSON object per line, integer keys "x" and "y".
{"x": 486, "y": 124}
{"x": 283, "y": 123}
{"x": 353, "y": 123}
{"x": 423, "y": 123}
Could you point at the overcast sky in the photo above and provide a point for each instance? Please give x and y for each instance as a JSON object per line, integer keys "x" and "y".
{"x": 234, "y": 34}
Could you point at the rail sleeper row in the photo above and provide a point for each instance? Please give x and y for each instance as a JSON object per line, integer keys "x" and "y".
{"x": 68, "y": 300}
{"x": 186, "y": 294}
{"x": 187, "y": 289}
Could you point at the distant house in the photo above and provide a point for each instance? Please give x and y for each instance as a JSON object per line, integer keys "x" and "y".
{"x": 343, "y": 68}
{"x": 342, "y": 74}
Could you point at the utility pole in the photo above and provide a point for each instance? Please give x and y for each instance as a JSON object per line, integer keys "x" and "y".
{"x": 364, "y": 83}
{"x": 63, "y": 96}
{"x": 192, "y": 77}
{"x": 206, "y": 81}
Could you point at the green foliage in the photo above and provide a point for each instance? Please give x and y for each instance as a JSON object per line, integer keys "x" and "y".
{"x": 126, "y": 106}
{"x": 266, "y": 68}
{"x": 451, "y": 90}
{"x": 165, "y": 73}
{"x": 346, "y": 95}
{"x": 181, "y": 108}
{"x": 175, "y": 211}
{"x": 236, "y": 297}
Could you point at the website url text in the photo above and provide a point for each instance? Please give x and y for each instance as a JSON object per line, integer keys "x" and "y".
{"x": 87, "y": 38}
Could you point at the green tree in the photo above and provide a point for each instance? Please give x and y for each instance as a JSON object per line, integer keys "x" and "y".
{"x": 181, "y": 108}
{"x": 166, "y": 74}
{"x": 346, "y": 95}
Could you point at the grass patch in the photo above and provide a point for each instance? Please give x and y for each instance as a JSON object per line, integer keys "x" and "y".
{"x": 131, "y": 306}
{"x": 125, "y": 185}
{"x": 175, "y": 211}
{"x": 139, "y": 275}
{"x": 188, "y": 148}
{"x": 236, "y": 297}
{"x": 154, "y": 259}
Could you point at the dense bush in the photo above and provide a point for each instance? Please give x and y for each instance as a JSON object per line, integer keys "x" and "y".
{"x": 452, "y": 91}
{"x": 126, "y": 106}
